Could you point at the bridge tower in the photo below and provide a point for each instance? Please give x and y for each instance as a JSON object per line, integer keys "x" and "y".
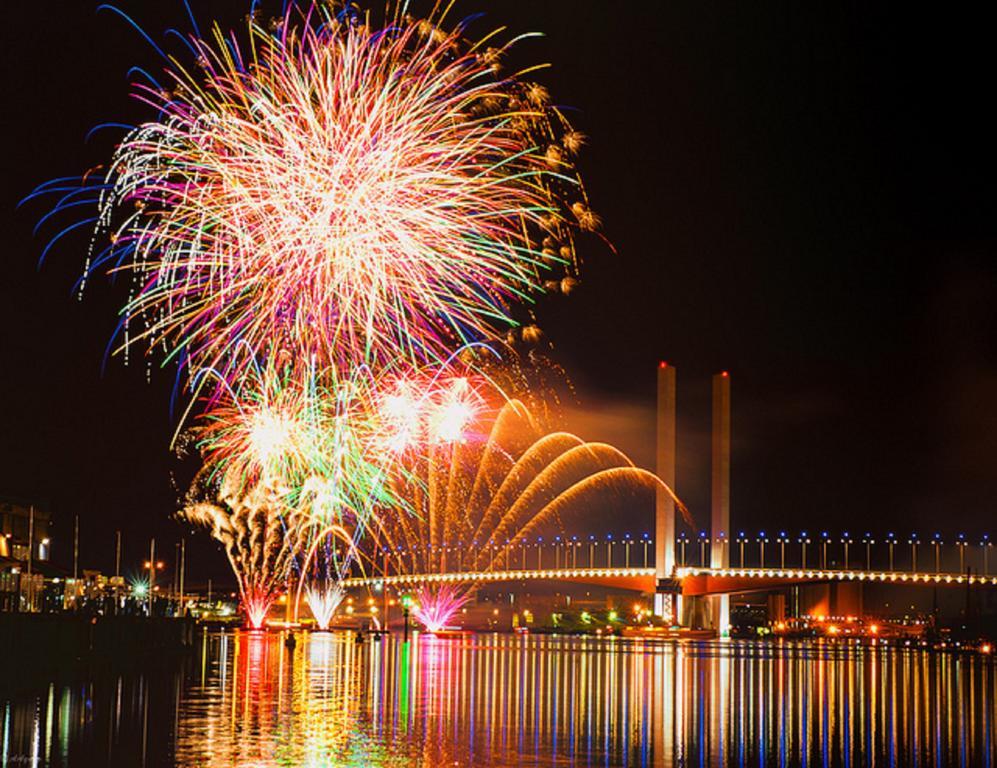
{"x": 664, "y": 507}
{"x": 720, "y": 497}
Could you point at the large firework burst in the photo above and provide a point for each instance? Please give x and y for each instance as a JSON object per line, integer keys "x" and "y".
{"x": 331, "y": 188}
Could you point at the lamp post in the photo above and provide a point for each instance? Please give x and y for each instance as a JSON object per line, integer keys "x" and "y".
{"x": 913, "y": 541}
{"x": 646, "y": 539}
{"x": 868, "y": 541}
{"x": 937, "y": 541}
{"x": 782, "y": 540}
{"x": 846, "y": 540}
{"x": 152, "y": 566}
{"x": 609, "y": 550}
{"x": 824, "y": 539}
{"x": 985, "y": 545}
{"x": 591, "y": 551}
{"x": 741, "y": 541}
{"x": 762, "y": 541}
{"x": 722, "y": 538}
{"x": 31, "y": 552}
{"x": 183, "y": 575}
{"x": 891, "y": 540}
{"x": 626, "y": 550}
{"x": 961, "y": 543}
{"x": 406, "y": 607}
{"x": 804, "y": 540}
{"x": 703, "y": 541}
{"x": 683, "y": 541}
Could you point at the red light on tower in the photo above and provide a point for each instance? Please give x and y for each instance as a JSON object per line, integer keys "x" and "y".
{"x": 662, "y": 364}
{"x": 725, "y": 374}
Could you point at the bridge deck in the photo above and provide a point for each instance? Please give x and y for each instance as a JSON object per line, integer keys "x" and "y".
{"x": 693, "y": 580}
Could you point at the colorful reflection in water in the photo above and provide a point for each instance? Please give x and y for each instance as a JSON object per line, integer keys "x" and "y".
{"x": 512, "y": 700}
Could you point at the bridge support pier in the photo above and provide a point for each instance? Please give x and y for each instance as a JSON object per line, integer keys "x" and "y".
{"x": 720, "y": 498}
{"x": 666, "y": 606}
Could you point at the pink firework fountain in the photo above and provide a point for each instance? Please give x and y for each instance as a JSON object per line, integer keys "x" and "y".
{"x": 436, "y": 606}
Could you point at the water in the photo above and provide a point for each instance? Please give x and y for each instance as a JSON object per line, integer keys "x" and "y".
{"x": 245, "y": 701}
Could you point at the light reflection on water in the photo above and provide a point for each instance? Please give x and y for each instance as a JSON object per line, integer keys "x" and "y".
{"x": 244, "y": 700}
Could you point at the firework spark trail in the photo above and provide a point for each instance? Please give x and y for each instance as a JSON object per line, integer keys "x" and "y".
{"x": 260, "y": 541}
{"x": 329, "y": 188}
{"x": 479, "y": 498}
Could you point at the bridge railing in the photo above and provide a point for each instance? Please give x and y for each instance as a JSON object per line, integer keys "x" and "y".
{"x": 822, "y": 551}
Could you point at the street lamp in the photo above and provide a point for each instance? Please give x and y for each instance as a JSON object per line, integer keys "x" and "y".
{"x": 683, "y": 541}
{"x": 804, "y": 540}
{"x": 741, "y": 540}
{"x": 152, "y": 565}
{"x": 985, "y": 545}
{"x": 961, "y": 543}
{"x": 824, "y": 539}
{"x": 891, "y": 540}
{"x": 914, "y": 540}
{"x": 868, "y": 541}
{"x": 846, "y": 540}
{"x": 407, "y": 603}
{"x": 703, "y": 541}
{"x": 626, "y": 549}
{"x": 937, "y": 541}
{"x": 646, "y": 538}
{"x": 722, "y": 540}
{"x": 762, "y": 541}
{"x": 782, "y": 540}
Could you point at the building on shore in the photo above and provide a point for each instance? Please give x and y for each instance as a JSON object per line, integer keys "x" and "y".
{"x": 25, "y": 549}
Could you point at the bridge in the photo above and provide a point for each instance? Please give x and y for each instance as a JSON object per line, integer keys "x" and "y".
{"x": 662, "y": 565}
{"x": 688, "y": 581}
{"x": 822, "y": 574}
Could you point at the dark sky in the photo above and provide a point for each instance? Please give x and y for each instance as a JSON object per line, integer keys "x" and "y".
{"x": 801, "y": 195}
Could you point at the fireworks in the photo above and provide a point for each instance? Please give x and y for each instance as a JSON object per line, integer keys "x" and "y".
{"x": 327, "y": 188}
{"x": 260, "y": 540}
{"x": 475, "y": 500}
{"x": 435, "y": 607}
{"x": 323, "y": 600}
{"x": 325, "y": 223}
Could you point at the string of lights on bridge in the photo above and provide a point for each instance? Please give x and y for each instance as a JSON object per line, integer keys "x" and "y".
{"x": 758, "y": 551}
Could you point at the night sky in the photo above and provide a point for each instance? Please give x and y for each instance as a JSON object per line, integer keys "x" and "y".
{"x": 803, "y": 196}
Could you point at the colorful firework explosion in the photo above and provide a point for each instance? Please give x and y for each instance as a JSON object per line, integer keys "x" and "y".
{"x": 327, "y": 188}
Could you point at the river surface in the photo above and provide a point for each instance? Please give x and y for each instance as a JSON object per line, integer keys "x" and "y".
{"x": 245, "y": 701}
